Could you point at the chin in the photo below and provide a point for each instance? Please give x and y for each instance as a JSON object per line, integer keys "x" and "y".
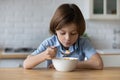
{"x": 67, "y": 46}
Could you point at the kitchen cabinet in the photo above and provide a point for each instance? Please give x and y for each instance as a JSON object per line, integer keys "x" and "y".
{"x": 101, "y": 9}
{"x": 111, "y": 60}
{"x": 11, "y": 63}
{"x": 110, "y": 57}
{"x": 16, "y": 63}
{"x": 14, "y": 60}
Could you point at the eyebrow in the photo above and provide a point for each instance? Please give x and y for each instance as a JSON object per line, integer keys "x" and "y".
{"x": 72, "y": 30}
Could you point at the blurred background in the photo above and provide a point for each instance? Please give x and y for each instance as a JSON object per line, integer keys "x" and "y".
{"x": 23, "y": 21}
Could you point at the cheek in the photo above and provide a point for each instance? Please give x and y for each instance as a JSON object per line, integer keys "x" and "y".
{"x": 60, "y": 37}
{"x": 74, "y": 38}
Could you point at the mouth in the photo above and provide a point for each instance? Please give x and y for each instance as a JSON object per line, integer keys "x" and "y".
{"x": 67, "y": 44}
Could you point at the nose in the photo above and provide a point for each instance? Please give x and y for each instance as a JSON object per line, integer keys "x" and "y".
{"x": 67, "y": 37}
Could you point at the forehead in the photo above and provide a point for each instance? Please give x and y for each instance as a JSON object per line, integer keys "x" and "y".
{"x": 70, "y": 26}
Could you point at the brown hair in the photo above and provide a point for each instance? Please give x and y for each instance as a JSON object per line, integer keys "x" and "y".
{"x": 66, "y": 14}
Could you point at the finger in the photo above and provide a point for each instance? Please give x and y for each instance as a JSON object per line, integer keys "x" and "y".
{"x": 49, "y": 58}
{"x": 53, "y": 47}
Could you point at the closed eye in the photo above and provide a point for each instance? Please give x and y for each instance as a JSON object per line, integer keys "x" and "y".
{"x": 62, "y": 33}
{"x": 74, "y": 33}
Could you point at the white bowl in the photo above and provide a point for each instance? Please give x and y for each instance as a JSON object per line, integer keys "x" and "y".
{"x": 65, "y": 64}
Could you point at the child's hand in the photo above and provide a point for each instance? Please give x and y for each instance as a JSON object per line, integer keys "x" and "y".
{"x": 50, "y": 52}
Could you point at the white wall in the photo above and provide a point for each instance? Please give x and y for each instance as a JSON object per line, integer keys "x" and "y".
{"x": 101, "y": 33}
{"x": 25, "y": 23}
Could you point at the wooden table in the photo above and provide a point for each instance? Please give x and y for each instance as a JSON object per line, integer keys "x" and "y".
{"x": 51, "y": 74}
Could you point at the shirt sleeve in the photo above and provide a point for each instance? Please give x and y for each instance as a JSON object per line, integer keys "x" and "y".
{"x": 42, "y": 47}
{"x": 51, "y": 41}
{"x": 88, "y": 49}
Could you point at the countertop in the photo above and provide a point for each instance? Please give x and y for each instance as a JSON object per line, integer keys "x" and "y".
{"x": 12, "y": 56}
{"x": 23, "y": 56}
{"x": 109, "y": 51}
{"x": 52, "y": 74}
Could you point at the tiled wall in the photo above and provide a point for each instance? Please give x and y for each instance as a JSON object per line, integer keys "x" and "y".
{"x": 101, "y": 33}
{"x": 25, "y": 23}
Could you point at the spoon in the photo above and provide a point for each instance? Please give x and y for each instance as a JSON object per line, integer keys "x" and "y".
{"x": 67, "y": 52}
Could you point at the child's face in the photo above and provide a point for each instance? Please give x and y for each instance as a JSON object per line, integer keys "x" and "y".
{"x": 67, "y": 35}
